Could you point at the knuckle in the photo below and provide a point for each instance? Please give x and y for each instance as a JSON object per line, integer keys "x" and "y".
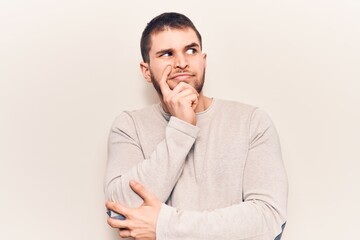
{"x": 172, "y": 101}
{"x": 167, "y": 99}
{"x": 131, "y": 225}
{"x": 133, "y": 234}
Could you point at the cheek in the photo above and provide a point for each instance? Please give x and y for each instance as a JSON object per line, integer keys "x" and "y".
{"x": 157, "y": 69}
{"x": 199, "y": 63}
{"x": 203, "y": 63}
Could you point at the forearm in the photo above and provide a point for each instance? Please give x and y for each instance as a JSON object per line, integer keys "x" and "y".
{"x": 251, "y": 220}
{"x": 159, "y": 173}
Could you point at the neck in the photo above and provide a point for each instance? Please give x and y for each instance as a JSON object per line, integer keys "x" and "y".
{"x": 203, "y": 104}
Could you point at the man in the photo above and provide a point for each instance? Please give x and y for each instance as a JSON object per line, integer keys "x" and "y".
{"x": 192, "y": 167}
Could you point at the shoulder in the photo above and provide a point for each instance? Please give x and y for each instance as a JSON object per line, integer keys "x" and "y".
{"x": 253, "y": 116}
{"x": 131, "y": 115}
{"x": 235, "y": 109}
{"x": 231, "y": 105}
{"x": 128, "y": 119}
{"x": 241, "y": 108}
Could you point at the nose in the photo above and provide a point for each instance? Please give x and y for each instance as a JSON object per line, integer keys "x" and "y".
{"x": 181, "y": 61}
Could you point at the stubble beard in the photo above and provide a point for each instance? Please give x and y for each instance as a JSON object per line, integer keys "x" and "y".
{"x": 198, "y": 85}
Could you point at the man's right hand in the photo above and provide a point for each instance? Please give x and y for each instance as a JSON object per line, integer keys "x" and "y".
{"x": 181, "y": 101}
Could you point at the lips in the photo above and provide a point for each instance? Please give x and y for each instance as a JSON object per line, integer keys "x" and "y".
{"x": 181, "y": 76}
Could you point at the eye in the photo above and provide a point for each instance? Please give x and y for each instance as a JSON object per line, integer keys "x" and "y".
{"x": 191, "y": 51}
{"x": 166, "y": 54}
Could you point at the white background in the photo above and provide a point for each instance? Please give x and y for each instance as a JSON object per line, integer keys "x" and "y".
{"x": 67, "y": 68}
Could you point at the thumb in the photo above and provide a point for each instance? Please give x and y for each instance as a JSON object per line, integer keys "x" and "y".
{"x": 141, "y": 191}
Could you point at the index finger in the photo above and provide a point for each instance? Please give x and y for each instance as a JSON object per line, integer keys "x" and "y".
{"x": 165, "y": 89}
{"x": 117, "y": 209}
{"x": 141, "y": 191}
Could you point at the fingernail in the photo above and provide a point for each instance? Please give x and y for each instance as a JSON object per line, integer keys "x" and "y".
{"x": 132, "y": 182}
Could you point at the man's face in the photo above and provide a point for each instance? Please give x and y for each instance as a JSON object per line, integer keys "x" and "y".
{"x": 179, "y": 48}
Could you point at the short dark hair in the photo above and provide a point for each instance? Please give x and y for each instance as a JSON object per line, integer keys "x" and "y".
{"x": 160, "y": 23}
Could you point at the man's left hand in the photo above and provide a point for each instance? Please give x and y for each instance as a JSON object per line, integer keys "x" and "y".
{"x": 140, "y": 223}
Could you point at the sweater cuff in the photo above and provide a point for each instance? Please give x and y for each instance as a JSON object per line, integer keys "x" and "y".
{"x": 184, "y": 127}
{"x": 163, "y": 221}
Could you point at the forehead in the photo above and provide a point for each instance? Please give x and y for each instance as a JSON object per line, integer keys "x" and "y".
{"x": 172, "y": 39}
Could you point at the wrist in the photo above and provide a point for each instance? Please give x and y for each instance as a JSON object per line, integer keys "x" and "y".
{"x": 162, "y": 225}
{"x": 184, "y": 126}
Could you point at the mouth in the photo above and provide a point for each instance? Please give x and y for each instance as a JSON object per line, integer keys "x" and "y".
{"x": 181, "y": 76}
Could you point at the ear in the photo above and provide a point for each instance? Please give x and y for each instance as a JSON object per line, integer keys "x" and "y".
{"x": 145, "y": 69}
{"x": 204, "y": 56}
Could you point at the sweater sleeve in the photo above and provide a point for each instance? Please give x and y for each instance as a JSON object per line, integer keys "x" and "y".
{"x": 261, "y": 214}
{"x": 158, "y": 173}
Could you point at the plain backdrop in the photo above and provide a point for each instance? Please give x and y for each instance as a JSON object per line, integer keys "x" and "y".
{"x": 68, "y": 68}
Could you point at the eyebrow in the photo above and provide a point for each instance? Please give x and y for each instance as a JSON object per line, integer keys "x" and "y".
{"x": 194, "y": 44}
{"x": 161, "y": 52}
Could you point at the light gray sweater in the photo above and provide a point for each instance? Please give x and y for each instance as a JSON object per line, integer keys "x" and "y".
{"x": 221, "y": 179}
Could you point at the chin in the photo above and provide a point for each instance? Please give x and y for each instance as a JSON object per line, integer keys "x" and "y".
{"x": 173, "y": 84}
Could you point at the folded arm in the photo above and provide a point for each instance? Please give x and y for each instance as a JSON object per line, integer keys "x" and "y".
{"x": 259, "y": 216}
